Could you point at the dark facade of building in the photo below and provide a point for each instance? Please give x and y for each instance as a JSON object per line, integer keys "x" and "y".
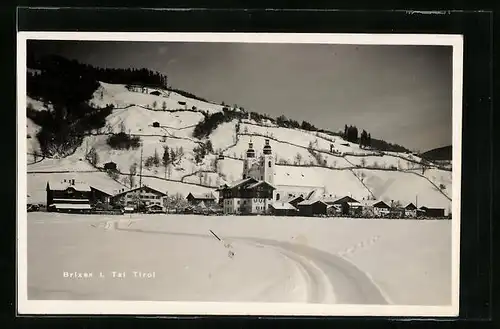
{"x": 99, "y": 197}
{"x": 208, "y": 199}
{"x": 139, "y": 198}
{"x": 433, "y": 212}
{"x": 68, "y": 196}
{"x": 296, "y": 200}
{"x": 347, "y": 206}
{"x": 247, "y": 196}
{"x": 283, "y": 209}
{"x": 312, "y": 208}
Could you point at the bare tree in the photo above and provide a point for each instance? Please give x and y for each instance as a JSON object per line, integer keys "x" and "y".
{"x": 298, "y": 158}
{"x": 169, "y": 170}
{"x": 131, "y": 174}
{"x": 92, "y": 157}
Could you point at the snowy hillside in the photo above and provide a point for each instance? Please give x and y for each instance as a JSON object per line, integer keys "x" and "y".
{"x": 303, "y": 158}
{"x": 120, "y": 96}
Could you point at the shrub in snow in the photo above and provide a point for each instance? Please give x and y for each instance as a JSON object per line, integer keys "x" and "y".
{"x": 122, "y": 141}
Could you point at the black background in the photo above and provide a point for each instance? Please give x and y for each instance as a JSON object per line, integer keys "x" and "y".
{"x": 478, "y": 178}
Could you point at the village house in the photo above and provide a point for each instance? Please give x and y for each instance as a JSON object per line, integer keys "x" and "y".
{"x": 374, "y": 208}
{"x": 312, "y": 208}
{"x": 283, "y": 208}
{"x": 68, "y": 196}
{"x": 208, "y": 199}
{"x": 411, "y": 211}
{"x": 397, "y": 211}
{"x": 100, "y": 198}
{"x": 140, "y": 198}
{"x": 348, "y": 206}
{"x": 246, "y": 196}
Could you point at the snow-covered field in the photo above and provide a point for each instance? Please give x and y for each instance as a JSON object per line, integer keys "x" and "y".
{"x": 260, "y": 259}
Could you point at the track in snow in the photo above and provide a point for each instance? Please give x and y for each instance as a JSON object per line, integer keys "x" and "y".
{"x": 329, "y": 278}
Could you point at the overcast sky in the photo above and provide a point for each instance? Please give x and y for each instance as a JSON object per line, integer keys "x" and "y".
{"x": 401, "y": 94}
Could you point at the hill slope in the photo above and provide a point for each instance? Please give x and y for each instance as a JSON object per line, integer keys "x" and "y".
{"x": 305, "y": 159}
{"x": 441, "y": 153}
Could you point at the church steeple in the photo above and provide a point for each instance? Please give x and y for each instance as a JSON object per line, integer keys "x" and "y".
{"x": 267, "y": 169}
{"x": 267, "y": 147}
{"x": 250, "y": 151}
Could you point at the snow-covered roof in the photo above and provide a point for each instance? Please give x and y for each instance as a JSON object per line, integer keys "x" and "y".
{"x": 309, "y": 202}
{"x": 373, "y": 203}
{"x": 138, "y": 188}
{"x": 259, "y": 183}
{"x": 345, "y": 199}
{"x": 78, "y": 206}
{"x": 293, "y": 198}
{"x": 71, "y": 200}
{"x": 329, "y": 199}
{"x": 283, "y": 206}
{"x": 106, "y": 190}
{"x": 62, "y": 186}
{"x": 354, "y": 204}
{"x": 410, "y": 206}
{"x": 203, "y": 196}
{"x": 241, "y": 182}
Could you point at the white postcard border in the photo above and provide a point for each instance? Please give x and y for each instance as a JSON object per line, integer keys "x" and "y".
{"x": 26, "y": 306}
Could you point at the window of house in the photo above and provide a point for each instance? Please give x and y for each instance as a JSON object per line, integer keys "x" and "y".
{"x": 238, "y": 202}
{"x": 277, "y": 196}
{"x": 269, "y": 164}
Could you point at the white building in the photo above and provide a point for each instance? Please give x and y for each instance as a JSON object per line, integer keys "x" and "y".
{"x": 141, "y": 195}
{"x": 263, "y": 168}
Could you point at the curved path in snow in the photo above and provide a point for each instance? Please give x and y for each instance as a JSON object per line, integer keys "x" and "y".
{"x": 350, "y": 284}
{"x": 329, "y": 278}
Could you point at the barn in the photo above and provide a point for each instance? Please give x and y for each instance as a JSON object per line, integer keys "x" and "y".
{"x": 110, "y": 166}
{"x": 208, "y": 199}
{"x": 312, "y": 208}
{"x": 282, "y": 208}
{"x": 432, "y": 212}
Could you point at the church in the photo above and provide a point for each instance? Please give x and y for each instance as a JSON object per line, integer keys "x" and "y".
{"x": 257, "y": 191}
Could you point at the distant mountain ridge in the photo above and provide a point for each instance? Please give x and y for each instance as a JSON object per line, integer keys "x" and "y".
{"x": 440, "y": 153}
